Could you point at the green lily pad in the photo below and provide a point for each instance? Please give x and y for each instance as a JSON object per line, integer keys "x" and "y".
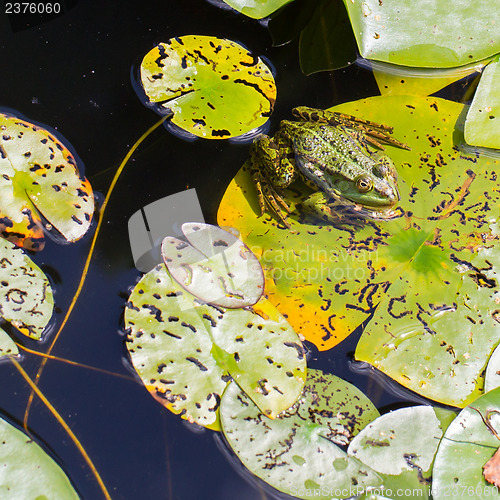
{"x": 492, "y": 375}
{"x": 257, "y": 9}
{"x": 7, "y": 346}
{"x": 40, "y": 181}
{"x": 468, "y": 443}
{"x": 482, "y": 126}
{"x": 26, "y": 471}
{"x": 432, "y": 272}
{"x": 401, "y": 445}
{"x": 217, "y": 267}
{"x": 427, "y": 33}
{"x": 296, "y": 452}
{"x": 25, "y": 294}
{"x": 215, "y": 88}
{"x": 186, "y": 351}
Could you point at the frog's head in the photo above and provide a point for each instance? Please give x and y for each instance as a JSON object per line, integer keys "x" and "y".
{"x": 376, "y": 189}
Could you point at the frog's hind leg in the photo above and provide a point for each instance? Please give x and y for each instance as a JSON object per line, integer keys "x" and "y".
{"x": 376, "y": 134}
{"x": 272, "y": 169}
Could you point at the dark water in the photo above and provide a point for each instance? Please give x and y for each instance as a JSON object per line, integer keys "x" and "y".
{"x": 73, "y": 73}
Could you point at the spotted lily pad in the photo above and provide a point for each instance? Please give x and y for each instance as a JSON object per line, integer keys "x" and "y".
{"x": 492, "y": 375}
{"x": 256, "y": 9}
{"x": 40, "y": 186}
{"x": 468, "y": 444}
{"x": 26, "y": 471}
{"x": 482, "y": 126}
{"x": 25, "y": 294}
{"x": 217, "y": 267}
{"x": 297, "y": 453}
{"x": 7, "y": 346}
{"x": 426, "y": 33}
{"x": 401, "y": 445}
{"x": 186, "y": 351}
{"x": 215, "y": 88}
{"x": 432, "y": 272}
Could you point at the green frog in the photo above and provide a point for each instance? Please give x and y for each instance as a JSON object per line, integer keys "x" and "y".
{"x": 330, "y": 152}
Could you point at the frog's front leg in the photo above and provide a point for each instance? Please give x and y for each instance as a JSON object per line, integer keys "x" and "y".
{"x": 272, "y": 167}
{"x": 320, "y": 206}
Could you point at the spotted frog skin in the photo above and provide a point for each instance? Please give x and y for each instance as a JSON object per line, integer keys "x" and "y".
{"x": 329, "y": 152}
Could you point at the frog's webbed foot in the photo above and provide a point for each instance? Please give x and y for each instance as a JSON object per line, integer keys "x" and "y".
{"x": 376, "y": 134}
{"x": 268, "y": 196}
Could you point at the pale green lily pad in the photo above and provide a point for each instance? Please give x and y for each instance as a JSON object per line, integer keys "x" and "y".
{"x": 257, "y": 9}
{"x": 492, "y": 376}
{"x": 427, "y": 33}
{"x": 186, "y": 351}
{"x": 428, "y": 271}
{"x": 7, "y": 346}
{"x": 27, "y": 472}
{"x": 40, "y": 186}
{"x": 216, "y": 266}
{"x": 296, "y": 452}
{"x": 401, "y": 445}
{"x": 467, "y": 445}
{"x": 482, "y": 126}
{"x": 215, "y": 88}
{"x": 25, "y": 293}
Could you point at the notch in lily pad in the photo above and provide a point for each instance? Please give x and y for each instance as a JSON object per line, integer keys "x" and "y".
{"x": 185, "y": 352}
{"x": 41, "y": 188}
{"x": 214, "y": 87}
{"x": 215, "y": 266}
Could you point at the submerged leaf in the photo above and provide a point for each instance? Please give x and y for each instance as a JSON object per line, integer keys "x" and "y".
{"x": 468, "y": 444}
{"x": 185, "y": 351}
{"x": 426, "y": 33}
{"x": 215, "y": 88}
{"x": 297, "y": 453}
{"x": 482, "y": 126}
{"x": 25, "y": 294}
{"x": 39, "y": 181}
{"x": 216, "y": 267}
{"x": 432, "y": 272}
{"x": 256, "y": 9}
{"x": 26, "y": 471}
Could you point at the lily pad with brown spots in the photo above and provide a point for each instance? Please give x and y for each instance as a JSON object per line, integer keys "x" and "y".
{"x": 186, "y": 351}
{"x": 401, "y": 446}
{"x": 431, "y": 273}
{"x": 41, "y": 188}
{"x": 468, "y": 444}
{"x": 26, "y": 300}
{"x": 215, "y": 88}
{"x": 7, "y": 346}
{"x": 298, "y": 451}
{"x": 214, "y": 266}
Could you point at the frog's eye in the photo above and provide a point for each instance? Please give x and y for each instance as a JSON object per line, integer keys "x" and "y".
{"x": 364, "y": 184}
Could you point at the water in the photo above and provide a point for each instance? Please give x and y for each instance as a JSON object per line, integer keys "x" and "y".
{"x": 73, "y": 73}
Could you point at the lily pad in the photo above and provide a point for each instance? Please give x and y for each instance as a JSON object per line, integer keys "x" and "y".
{"x": 432, "y": 272}
{"x": 467, "y": 445}
{"x": 215, "y": 87}
{"x": 41, "y": 188}
{"x": 401, "y": 445}
{"x": 257, "y": 9}
{"x": 7, "y": 346}
{"x": 217, "y": 267}
{"x": 482, "y": 126}
{"x": 25, "y": 293}
{"x": 186, "y": 352}
{"x": 492, "y": 376}
{"x": 26, "y": 471}
{"x": 296, "y": 452}
{"x": 426, "y": 33}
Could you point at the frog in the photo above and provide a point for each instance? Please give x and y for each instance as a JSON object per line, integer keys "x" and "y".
{"x": 338, "y": 156}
